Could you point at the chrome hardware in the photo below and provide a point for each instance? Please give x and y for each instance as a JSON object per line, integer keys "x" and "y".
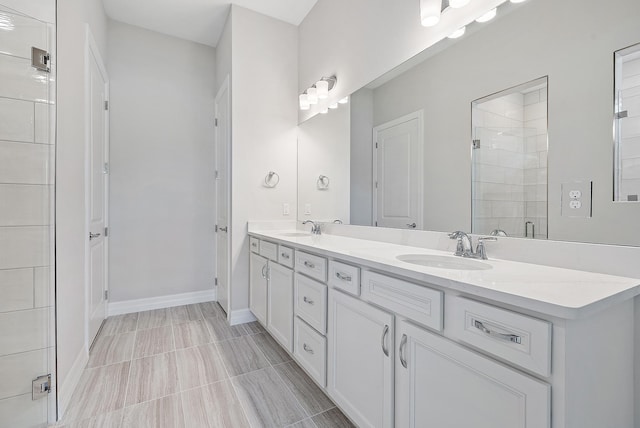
{"x": 403, "y": 345}
{"x": 307, "y": 300}
{"x": 254, "y": 245}
{"x": 476, "y": 144}
{"x": 271, "y": 180}
{"x": 40, "y": 59}
{"x": 622, "y": 114}
{"x": 307, "y": 349}
{"x": 93, "y": 235}
{"x": 323, "y": 182}
{"x": 285, "y": 256}
{"x": 40, "y": 387}
{"x": 465, "y": 245}
{"x": 508, "y": 337}
{"x": 223, "y": 229}
{"x": 343, "y": 277}
{"x": 412, "y": 225}
{"x": 264, "y": 271}
{"x": 385, "y": 332}
{"x": 309, "y": 264}
{"x": 481, "y": 252}
{"x": 533, "y": 229}
{"x": 315, "y": 228}
{"x": 338, "y": 221}
{"x": 498, "y": 232}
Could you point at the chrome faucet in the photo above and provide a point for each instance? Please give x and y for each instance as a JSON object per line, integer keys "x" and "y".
{"x": 465, "y": 245}
{"x": 315, "y": 228}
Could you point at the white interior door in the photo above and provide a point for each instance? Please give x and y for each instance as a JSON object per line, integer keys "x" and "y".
{"x": 223, "y": 140}
{"x": 398, "y": 159}
{"x": 97, "y": 181}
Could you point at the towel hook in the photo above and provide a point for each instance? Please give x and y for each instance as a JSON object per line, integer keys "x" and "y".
{"x": 271, "y": 180}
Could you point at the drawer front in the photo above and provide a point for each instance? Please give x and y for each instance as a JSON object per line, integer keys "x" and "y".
{"x": 269, "y": 250}
{"x": 344, "y": 277}
{"x": 285, "y": 256}
{"x": 254, "y": 244}
{"x": 517, "y": 338}
{"x": 311, "y": 302}
{"x": 310, "y": 350}
{"x": 415, "y": 302}
{"x": 312, "y": 266}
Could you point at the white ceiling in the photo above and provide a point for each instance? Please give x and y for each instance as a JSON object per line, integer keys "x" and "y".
{"x": 200, "y": 21}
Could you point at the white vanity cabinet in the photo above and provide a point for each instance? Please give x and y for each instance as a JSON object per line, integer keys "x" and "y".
{"x": 258, "y": 286}
{"x": 360, "y": 360}
{"x": 280, "y": 305}
{"x": 439, "y": 383}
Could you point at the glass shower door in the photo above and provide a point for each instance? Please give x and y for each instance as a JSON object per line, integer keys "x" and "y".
{"x": 27, "y": 147}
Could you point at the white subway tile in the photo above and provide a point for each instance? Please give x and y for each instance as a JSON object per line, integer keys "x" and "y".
{"x": 630, "y": 169}
{"x": 531, "y": 98}
{"x": 542, "y": 159}
{"x": 23, "y": 163}
{"x": 43, "y": 287}
{"x": 16, "y": 289}
{"x": 22, "y": 411}
{"x": 42, "y": 124}
{"x": 19, "y": 369}
{"x": 630, "y": 127}
{"x": 543, "y": 94}
{"x": 24, "y": 34}
{"x": 631, "y": 82}
{"x": 535, "y": 111}
{"x": 24, "y": 205}
{"x": 21, "y": 81}
{"x": 22, "y": 247}
{"x": 16, "y": 120}
{"x": 24, "y": 331}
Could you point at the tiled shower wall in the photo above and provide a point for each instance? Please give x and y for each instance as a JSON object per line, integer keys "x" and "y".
{"x": 535, "y": 161}
{"x": 27, "y": 147}
{"x": 629, "y": 150}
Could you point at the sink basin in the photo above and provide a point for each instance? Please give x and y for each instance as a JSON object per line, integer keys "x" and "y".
{"x": 444, "y": 262}
{"x": 295, "y": 234}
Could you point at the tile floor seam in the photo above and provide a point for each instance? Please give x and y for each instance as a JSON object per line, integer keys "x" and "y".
{"x": 180, "y": 393}
{"x": 126, "y": 391}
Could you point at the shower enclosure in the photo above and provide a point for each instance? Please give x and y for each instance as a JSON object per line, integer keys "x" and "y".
{"x": 27, "y": 160}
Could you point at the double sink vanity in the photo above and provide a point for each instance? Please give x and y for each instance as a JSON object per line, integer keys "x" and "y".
{"x": 410, "y": 336}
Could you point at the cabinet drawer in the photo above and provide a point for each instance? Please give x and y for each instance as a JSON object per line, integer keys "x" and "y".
{"x": 517, "y": 338}
{"x": 312, "y": 266}
{"x": 269, "y": 250}
{"x": 311, "y": 302}
{"x": 344, "y": 277}
{"x": 254, "y": 244}
{"x": 420, "y": 304}
{"x": 310, "y": 350}
{"x": 285, "y": 256}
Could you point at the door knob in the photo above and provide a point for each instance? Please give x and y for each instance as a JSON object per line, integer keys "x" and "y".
{"x": 412, "y": 225}
{"x": 93, "y": 235}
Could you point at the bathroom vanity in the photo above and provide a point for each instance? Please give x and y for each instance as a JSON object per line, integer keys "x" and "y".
{"x": 413, "y": 337}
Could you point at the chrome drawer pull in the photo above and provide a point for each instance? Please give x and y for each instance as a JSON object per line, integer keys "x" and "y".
{"x": 309, "y": 265}
{"x": 307, "y": 300}
{"x": 403, "y": 345}
{"x": 307, "y": 349}
{"x": 508, "y": 337}
{"x": 264, "y": 271}
{"x": 343, "y": 277}
{"x": 285, "y": 256}
{"x": 385, "y": 332}
{"x": 254, "y": 245}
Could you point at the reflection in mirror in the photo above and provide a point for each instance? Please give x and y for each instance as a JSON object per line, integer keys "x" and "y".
{"x": 627, "y": 124}
{"x": 509, "y": 161}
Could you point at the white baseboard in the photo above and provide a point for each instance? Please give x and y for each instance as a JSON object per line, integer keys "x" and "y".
{"x": 139, "y": 305}
{"x": 66, "y": 389}
{"x": 241, "y": 316}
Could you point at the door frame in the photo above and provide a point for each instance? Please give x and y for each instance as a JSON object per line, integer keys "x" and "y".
{"x": 92, "y": 50}
{"x": 419, "y": 115}
{"x": 225, "y": 86}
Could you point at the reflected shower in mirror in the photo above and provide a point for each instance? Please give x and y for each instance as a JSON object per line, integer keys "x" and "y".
{"x": 627, "y": 124}
{"x": 509, "y": 161}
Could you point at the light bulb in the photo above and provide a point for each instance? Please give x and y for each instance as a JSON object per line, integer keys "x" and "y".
{"x": 333, "y": 106}
{"x": 344, "y": 100}
{"x": 322, "y": 87}
{"x": 458, "y": 33}
{"x": 488, "y": 16}
{"x": 312, "y": 96}
{"x": 304, "y": 102}
{"x": 430, "y": 11}
{"x": 457, "y": 4}
{"x": 324, "y": 110}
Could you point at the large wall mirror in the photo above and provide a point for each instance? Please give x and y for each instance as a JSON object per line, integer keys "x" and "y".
{"x": 506, "y": 130}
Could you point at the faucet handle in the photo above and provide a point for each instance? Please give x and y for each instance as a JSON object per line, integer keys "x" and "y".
{"x": 458, "y": 234}
{"x": 480, "y": 249}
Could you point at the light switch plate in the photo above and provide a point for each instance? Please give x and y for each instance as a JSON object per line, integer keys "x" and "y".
{"x": 576, "y": 199}
{"x": 307, "y": 209}
{"x": 285, "y": 209}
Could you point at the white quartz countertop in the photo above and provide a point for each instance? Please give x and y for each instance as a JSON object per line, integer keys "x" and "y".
{"x": 562, "y": 293}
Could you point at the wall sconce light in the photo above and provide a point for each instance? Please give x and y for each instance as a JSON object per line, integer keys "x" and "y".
{"x": 319, "y": 91}
{"x": 430, "y": 11}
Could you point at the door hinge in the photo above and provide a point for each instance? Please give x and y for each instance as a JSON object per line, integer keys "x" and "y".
{"x": 106, "y": 105}
{"x": 376, "y": 144}
{"x": 216, "y": 121}
{"x": 41, "y": 387}
{"x": 106, "y": 294}
{"x": 40, "y": 59}
{"x": 217, "y": 174}
{"x": 106, "y": 232}
{"x": 216, "y": 228}
{"x": 376, "y": 184}
{"x": 216, "y": 281}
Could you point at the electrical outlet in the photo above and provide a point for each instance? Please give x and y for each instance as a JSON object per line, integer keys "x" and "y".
{"x": 575, "y": 194}
{"x": 575, "y": 205}
{"x": 576, "y": 199}
{"x": 307, "y": 209}
{"x": 285, "y": 209}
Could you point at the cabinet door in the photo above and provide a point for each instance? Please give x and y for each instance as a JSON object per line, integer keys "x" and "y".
{"x": 442, "y": 384}
{"x": 280, "y": 305}
{"x": 258, "y": 286}
{"x": 360, "y": 360}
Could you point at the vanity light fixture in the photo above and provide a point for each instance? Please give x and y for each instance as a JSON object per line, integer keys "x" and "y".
{"x": 458, "y": 33}
{"x": 319, "y": 91}
{"x": 322, "y": 87}
{"x": 457, "y": 4}
{"x": 488, "y": 16}
{"x": 430, "y": 11}
{"x": 344, "y": 100}
{"x": 312, "y": 95}
{"x": 324, "y": 110}
{"x": 304, "y": 102}
{"x": 333, "y": 106}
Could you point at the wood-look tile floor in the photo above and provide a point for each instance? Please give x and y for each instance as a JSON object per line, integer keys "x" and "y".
{"x": 185, "y": 367}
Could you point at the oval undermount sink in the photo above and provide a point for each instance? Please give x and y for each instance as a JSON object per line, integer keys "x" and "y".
{"x": 295, "y": 234}
{"x": 444, "y": 262}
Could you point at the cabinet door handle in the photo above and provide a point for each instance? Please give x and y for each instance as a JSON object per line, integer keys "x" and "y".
{"x": 309, "y": 264}
{"x": 254, "y": 245}
{"x": 508, "y": 337}
{"x": 343, "y": 277}
{"x": 307, "y": 300}
{"x": 385, "y": 333}
{"x": 307, "y": 349}
{"x": 403, "y": 346}
{"x": 285, "y": 256}
{"x": 264, "y": 271}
